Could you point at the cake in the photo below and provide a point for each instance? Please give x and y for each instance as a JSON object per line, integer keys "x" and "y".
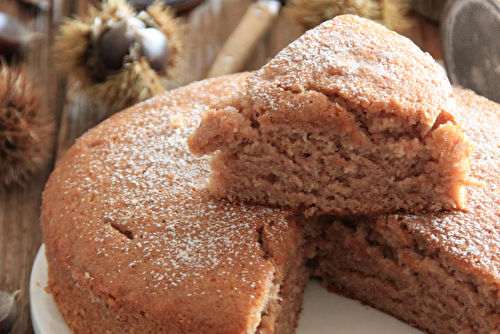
{"x": 438, "y": 272}
{"x": 351, "y": 118}
{"x": 135, "y": 243}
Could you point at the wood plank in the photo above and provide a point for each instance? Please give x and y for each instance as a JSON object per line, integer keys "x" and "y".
{"x": 20, "y": 233}
{"x": 426, "y": 35}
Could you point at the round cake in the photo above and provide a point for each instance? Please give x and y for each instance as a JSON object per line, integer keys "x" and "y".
{"x": 135, "y": 244}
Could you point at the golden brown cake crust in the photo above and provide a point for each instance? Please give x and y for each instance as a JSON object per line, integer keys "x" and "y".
{"x": 358, "y": 60}
{"x": 136, "y": 244}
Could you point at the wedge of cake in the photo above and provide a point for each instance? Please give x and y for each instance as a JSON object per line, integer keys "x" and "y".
{"x": 438, "y": 272}
{"x": 349, "y": 119}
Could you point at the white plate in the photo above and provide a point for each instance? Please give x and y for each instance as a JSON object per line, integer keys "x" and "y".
{"x": 323, "y": 312}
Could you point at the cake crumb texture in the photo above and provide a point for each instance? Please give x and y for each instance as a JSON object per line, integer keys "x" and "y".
{"x": 351, "y": 118}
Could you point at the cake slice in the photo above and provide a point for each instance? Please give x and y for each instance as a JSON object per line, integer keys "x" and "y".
{"x": 349, "y": 119}
{"x": 438, "y": 272}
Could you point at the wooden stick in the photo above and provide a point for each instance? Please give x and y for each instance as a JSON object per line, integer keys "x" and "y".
{"x": 238, "y": 47}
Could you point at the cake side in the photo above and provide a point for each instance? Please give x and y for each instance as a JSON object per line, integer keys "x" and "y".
{"x": 437, "y": 272}
{"x": 136, "y": 244}
{"x": 349, "y": 119}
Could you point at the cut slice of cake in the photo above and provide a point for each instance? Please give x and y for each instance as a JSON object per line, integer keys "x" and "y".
{"x": 349, "y": 119}
{"x": 438, "y": 272}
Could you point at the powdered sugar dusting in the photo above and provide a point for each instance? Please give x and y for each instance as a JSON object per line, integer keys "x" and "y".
{"x": 138, "y": 199}
{"x": 472, "y": 236}
{"x": 364, "y": 63}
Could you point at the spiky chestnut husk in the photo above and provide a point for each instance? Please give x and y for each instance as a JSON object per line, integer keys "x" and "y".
{"x": 76, "y": 54}
{"x": 394, "y": 14}
{"x": 26, "y": 130}
{"x": 311, "y": 13}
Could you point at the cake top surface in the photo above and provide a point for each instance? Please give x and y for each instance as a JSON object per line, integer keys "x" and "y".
{"x": 128, "y": 212}
{"x": 472, "y": 236}
{"x": 360, "y": 61}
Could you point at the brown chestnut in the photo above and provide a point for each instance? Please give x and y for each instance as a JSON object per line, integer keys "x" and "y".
{"x": 13, "y": 35}
{"x": 118, "y": 41}
{"x": 154, "y": 47}
{"x": 43, "y": 5}
{"x": 178, "y": 5}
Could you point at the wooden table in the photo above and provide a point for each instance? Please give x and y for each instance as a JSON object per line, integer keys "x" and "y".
{"x": 20, "y": 233}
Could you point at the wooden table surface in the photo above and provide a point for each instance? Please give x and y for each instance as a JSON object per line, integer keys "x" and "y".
{"x": 20, "y": 233}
